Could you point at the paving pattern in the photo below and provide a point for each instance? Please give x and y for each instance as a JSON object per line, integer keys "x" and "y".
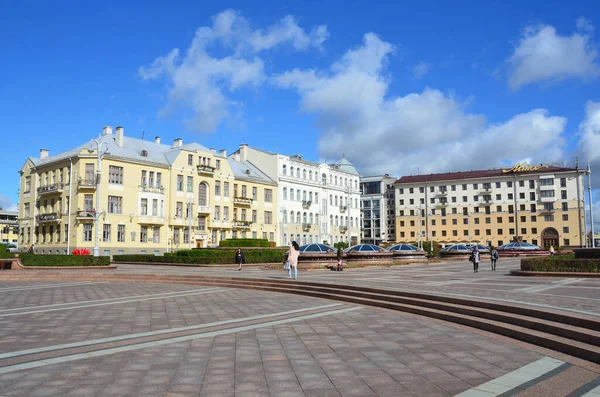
{"x": 67, "y": 338}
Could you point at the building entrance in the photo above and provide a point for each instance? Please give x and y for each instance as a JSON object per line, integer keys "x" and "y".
{"x": 549, "y": 237}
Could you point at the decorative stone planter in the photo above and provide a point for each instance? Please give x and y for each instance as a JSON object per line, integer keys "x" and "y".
{"x": 317, "y": 261}
{"x": 515, "y": 253}
{"x": 380, "y": 258}
{"x": 401, "y": 257}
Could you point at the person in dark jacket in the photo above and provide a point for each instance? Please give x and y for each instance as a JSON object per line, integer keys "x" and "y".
{"x": 494, "y": 257}
{"x": 340, "y": 257}
{"x": 239, "y": 258}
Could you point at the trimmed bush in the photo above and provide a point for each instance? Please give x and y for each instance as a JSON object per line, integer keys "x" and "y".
{"x": 207, "y": 256}
{"x": 4, "y": 254}
{"x": 63, "y": 260}
{"x": 246, "y": 242}
{"x": 560, "y": 264}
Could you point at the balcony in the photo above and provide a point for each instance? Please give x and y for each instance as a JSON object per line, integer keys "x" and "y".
{"x": 484, "y": 202}
{"x": 343, "y": 209}
{"x": 343, "y": 229}
{"x": 152, "y": 189}
{"x": 441, "y": 205}
{"x": 205, "y": 169}
{"x": 485, "y": 189}
{"x": 85, "y": 215}
{"x": 151, "y": 220}
{"x": 306, "y": 227}
{"x": 203, "y": 209}
{"x": 86, "y": 184}
{"x": 306, "y": 204}
{"x": 50, "y": 217}
{"x": 242, "y": 200}
{"x": 547, "y": 210}
{"x": 54, "y": 188}
{"x": 442, "y": 193}
{"x": 242, "y": 224}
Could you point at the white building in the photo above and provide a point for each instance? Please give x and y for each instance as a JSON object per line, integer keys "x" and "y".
{"x": 318, "y": 202}
{"x": 377, "y": 205}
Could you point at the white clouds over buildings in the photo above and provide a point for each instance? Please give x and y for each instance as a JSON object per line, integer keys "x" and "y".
{"x": 544, "y": 55}
{"x": 203, "y": 82}
{"x": 420, "y": 70}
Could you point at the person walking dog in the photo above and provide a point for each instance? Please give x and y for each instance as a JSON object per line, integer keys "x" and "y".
{"x": 239, "y": 258}
{"x": 494, "y": 257}
{"x": 475, "y": 259}
{"x": 293, "y": 258}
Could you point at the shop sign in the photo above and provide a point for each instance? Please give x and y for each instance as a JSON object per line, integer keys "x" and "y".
{"x": 523, "y": 167}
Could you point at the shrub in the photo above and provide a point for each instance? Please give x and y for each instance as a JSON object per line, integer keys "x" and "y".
{"x": 63, "y": 260}
{"x": 3, "y": 253}
{"x": 560, "y": 264}
{"x": 245, "y": 242}
{"x": 207, "y": 256}
{"x": 342, "y": 244}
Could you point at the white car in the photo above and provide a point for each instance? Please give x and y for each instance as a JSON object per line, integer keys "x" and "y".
{"x": 12, "y": 247}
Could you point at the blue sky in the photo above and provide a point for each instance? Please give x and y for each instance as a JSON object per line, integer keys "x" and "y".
{"x": 398, "y": 87}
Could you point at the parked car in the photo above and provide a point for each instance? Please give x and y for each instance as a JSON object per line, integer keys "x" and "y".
{"x": 12, "y": 247}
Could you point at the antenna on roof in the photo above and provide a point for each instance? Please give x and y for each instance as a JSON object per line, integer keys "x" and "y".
{"x": 142, "y": 135}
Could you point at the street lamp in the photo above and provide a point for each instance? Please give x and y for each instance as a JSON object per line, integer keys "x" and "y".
{"x": 589, "y": 175}
{"x": 99, "y": 148}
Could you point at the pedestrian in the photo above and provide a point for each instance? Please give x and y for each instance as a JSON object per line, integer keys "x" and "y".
{"x": 494, "y": 257}
{"x": 340, "y": 257}
{"x": 551, "y": 250}
{"x": 475, "y": 259}
{"x": 293, "y": 258}
{"x": 31, "y": 249}
{"x": 239, "y": 258}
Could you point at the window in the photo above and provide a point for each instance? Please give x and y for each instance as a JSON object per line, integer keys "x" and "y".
{"x": 218, "y": 166}
{"x": 88, "y": 202}
{"x": 532, "y": 196}
{"x": 565, "y": 229}
{"x": 464, "y": 199}
{"x": 565, "y": 217}
{"x": 269, "y": 195}
{"x": 190, "y": 159}
{"x": 89, "y": 172}
{"x": 156, "y": 233}
{"x": 176, "y": 235}
{"x": 115, "y": 174}
{"x": 151, "y": 179}
{"x": 500, "y": 231}
{"x": 144, "y": 207}
{"x": 563, "y": 194}
{"x": 179, "y": 209}
{"x": 523, "y": 230}
{"x": 534, "y": 230}
{"x": 203, "y": 194}
{"x": 268, "y": 217}
{"x": 159, "y": 180}
{"x": 532, "y": 184}
{"x": 284, "y": 170}
{"x": 27, "y": 184}
{"x": 186, "y": 235}
{"x": 106, "y": 232}
{"x": 533, "y": 218}
{"x": 254, "y": 193}
{"x": 521, "y": 183}
{"x": 549, "y": 218}
{"x": 488, "y": 232}
{"x": 226, "y": 189}
{"x": 509, "y": 184}
{"x": 563, "y": 182}
{"x": 154, "y": 207}
{"x": 190, "y": 184}
{"x": 546, "y": 181}
{"x": 547, "y": 193}
{"x": 115, "y": 204}
{"x": 180, "y": 183}
{"x": 566, "y": 242}
{"x": 225, "y": 214}
{"x": 144, "y": 180}
{"x": 217, "y": 188}
{"x": 522, "y": 196}
{"x": 217, "y": 212}
{"x": 523, "y": 219}
{"x": 143, "y": 234}
{"x": 121, "y": 233}
{"x": 87, "y": 232}
{"x": 254, "y": 216}
{"x": 510, "y": 196}
{"x": 454, "y": 221}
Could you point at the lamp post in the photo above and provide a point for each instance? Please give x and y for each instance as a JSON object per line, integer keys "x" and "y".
{"x": 99, "y": 148}
{"x": 589, "y": 175}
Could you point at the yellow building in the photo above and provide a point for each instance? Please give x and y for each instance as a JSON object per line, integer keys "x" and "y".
{"x": 9, "y": 229}
{"x": 152, "y": 198}
{"x": 542, "y": 205}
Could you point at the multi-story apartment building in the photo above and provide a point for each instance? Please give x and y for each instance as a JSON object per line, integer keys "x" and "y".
{"x": 378, "y": 209}
{"x": 150, "y": 197}
{"x": 542, "y": 205}
{"x": 9, "y": 228}
{"x": 319, "y": 202}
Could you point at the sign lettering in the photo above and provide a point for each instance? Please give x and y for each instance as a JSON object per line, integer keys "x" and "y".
{"x": 523, "y": 167}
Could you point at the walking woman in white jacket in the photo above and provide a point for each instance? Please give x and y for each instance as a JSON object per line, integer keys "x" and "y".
{"x": 293, "y": 258}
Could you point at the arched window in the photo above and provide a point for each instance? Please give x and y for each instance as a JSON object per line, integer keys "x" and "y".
{"x": 335, "y": 180}
{"x": 310, "y": 175}
{"x": 284, "y": 170}
{"x": 346, "y": 182}
{"x": 203, "y": 194}
{"x": 346, "y": 221}
{"x": 304, "y": 195}
{"x": 337, "y": 221}
{"x": 304, "y": 174}
{"x": 304, "y": 218}
{"x": 285, "y": 218}
{"x": 298, "y": 217}
{"x": 324, "y": 179}
{"x": 351, "y": 222}
{"x": 355, "y": 184}
{"x": 310, "y": 197}
{"x": 336, "y": 200}
{"x": 316, "y": 219}
{"x": 291, "y": 216}
{"x": 311, "y": 218}
{"x": 331, "y": 220}
{"x": 144, "y": 153}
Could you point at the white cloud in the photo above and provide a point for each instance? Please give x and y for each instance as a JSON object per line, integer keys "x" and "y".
{"x": 420, "y": 69}
{"x": 430, "y": 130}
{"x": 205, "y": 83}
{"x": 589, "y": 140}
{"x": 544, "y": 55}
{"x": 6, "y": 203}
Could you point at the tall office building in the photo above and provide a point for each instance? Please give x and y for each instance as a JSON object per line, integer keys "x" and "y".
{"x": 378, "y": 209}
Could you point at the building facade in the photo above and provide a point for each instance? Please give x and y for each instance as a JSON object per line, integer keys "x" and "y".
{"x": 149, "y": 197}
{"x": 9, "y": 227}
{"x": 318, "y": 202}
{"x": 542, "y": 205}
{"x": 378, "y": 209}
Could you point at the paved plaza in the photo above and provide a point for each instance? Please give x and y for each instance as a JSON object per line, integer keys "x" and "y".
{"x": 75, "y": 338}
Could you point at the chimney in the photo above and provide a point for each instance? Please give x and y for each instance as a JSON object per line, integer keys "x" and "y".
{"x": 119, "y": 139}
{"x": 213, "y": 150}
{"x": 107, "y": 130}
{"x": 177, "y": 142}
{"x": 223, "y": 152}
{"x": 44, "y": 153}
{"x": 157, "y": 139}
{"x": 236, "y": 156}
{"x": 243, "y": 152}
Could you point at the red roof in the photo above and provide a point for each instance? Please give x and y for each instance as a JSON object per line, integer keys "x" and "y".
{"x": 457, "y": 176}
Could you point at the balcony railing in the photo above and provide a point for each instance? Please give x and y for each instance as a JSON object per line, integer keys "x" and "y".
{"x": 242, "y": 200}
{"x": 152, "y": 189}
{"x": 306, "y": 204}
{"x": 343, "y": 208}
{"x": 343, "y": 229}
{"x": 85, "y": 214}
{"x": 86, "y": 184}
{"x": 306, "y": 227}
{"x": 205, "y": 169}
{"x": 547, "y": 210}
{"x": 53, "y": 216}
{"x": 242, "y": 224}
{"x": 203, "y": 209}
{"x": 442, "y": 193}
{"x": 54, "y": 188}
